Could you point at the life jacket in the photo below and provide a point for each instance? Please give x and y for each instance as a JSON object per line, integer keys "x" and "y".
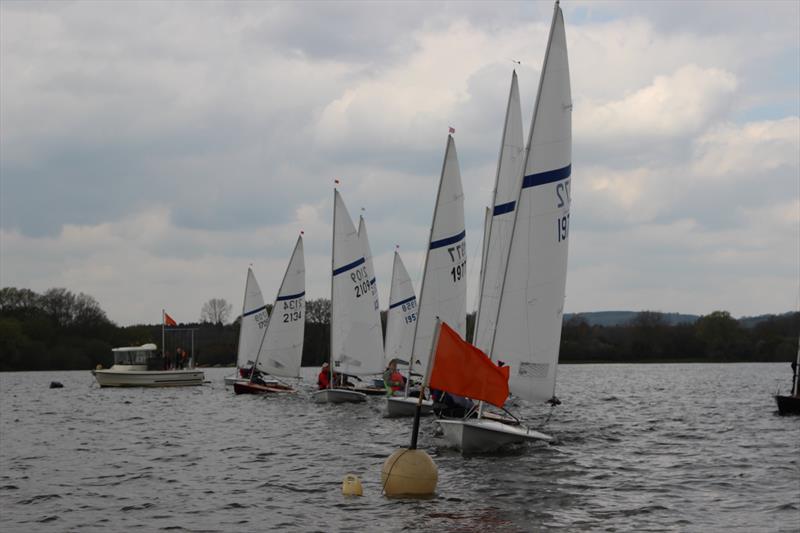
{"x": 397, "y": 379}
{"x": 323, "y": 380}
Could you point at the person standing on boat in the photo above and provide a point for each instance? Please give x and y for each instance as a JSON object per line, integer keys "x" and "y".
{"x": 393, "y": 380}
{"x": 324, "y": 377}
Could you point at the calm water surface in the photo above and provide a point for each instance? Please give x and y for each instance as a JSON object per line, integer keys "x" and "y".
{"x": 640, "y": 448}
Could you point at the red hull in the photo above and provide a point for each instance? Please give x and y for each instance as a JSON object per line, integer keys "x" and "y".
{"x": 255, "y": 388}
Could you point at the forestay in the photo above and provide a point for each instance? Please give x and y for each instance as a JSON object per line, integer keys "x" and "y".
{"x": 402, "y": 314}
{"x": 443, "y": 292}
{"x": 356, "y": 339}
{"x": 254, "y": 321}
{"x": 282, "y": 349}
{"x": 501, "y": 223}
{"x": 531, "y": 306}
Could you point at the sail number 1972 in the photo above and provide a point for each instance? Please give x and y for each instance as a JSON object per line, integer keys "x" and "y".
{"x": 458, "y": 255}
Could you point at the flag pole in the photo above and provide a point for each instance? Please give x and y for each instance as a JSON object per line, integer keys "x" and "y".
{"x": 418, "y": 409}
{"x": 163, "y": 347}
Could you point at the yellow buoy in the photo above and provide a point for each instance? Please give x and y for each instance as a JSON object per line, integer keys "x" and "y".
{"x": 351, "y": 486}
{"x": 409, "y": 472}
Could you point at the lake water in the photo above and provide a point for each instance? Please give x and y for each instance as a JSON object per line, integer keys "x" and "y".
{"x": 683, "y": 447}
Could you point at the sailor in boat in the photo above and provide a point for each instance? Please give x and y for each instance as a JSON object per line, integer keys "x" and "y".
{"x": 393, "y": 380}
{"x": 324, "y": 377}
{"x": 449, "y": 405}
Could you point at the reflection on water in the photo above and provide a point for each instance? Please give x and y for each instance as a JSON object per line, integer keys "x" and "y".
{"x": 640, "y": 447}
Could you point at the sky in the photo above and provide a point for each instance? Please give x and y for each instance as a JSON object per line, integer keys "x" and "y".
{"x": 151, "y": 151}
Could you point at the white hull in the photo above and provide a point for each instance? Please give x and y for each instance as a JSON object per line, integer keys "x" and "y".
{"x": 338, "y": 396}
{"x": 481, "y": 435}
{"x": 148, "y": 378}
{"x": 397, "y": 406}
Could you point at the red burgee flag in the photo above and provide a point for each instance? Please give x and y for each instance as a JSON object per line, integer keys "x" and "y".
{"x": 169, "y": 321}
{"x": 452, "y": 129}
{"x": 462, "y": 369}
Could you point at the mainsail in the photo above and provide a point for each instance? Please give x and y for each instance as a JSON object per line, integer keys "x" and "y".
{"x": 443, "y": 292}
{"x": 282, "y": 348}
{"x": 402, "y": 314}
{"x": 501, "y": 223}
{"x": 253, "y": 322}
{"x": 356, "y": 339}
{"x": 528, "y": 329}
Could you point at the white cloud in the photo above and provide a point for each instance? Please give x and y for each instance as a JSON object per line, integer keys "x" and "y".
{"x": 731, "y": 151}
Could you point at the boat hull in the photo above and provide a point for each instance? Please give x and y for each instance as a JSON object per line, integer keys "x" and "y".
{"x": 482, "y": 436}
{"x": 788, "y": 405}
{"x": 149, "y": 378}
{"x": 257, "y": 388}
{"x": 338, "y": 396}
{"x": 399, "y": 406}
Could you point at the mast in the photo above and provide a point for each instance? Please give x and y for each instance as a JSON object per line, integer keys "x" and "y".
{"x": 391, "y": 299}
{"x": 796, "y": 384}
{"x": 163, "y": 346}
{"x": 241, "y": 321}
{"x": 333, "y": 267}
{"x": 425, "y": 265}
{"x": 487, "y": 223}
{"x": 556, "y": 9}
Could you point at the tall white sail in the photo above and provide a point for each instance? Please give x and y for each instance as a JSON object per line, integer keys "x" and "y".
{"x": 528, "y": 329}
{"x": 356, "y": 338}
{"x": 254, "y": 320}
{"x": 498, "y": 238}
{"x": 362, "y": 235}
{"x": 443, "y": 292}
{"x": 402, "y": 314}
{"x": 282, "y": 348}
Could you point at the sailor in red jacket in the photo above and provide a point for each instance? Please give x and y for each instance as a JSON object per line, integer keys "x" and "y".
{"x": 324, "y": 377}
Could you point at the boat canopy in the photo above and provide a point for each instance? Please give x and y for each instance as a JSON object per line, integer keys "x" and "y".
{"x": 134, "y": 355}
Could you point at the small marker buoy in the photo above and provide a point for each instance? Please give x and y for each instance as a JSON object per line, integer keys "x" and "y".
{"x": 98, "y": 367}
{"x": 56, "y": 385}
{"x": 409, "y": 472}
{"x": 351, "y": 486}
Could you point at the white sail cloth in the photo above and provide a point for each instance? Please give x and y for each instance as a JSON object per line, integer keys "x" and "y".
{"x": 281, "y": 352}
{"x": 528, "y": 329}
{"x": 356, "y": 337}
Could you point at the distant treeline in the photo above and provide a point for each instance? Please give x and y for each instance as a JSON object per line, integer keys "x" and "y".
{"x": 59, "y": 330}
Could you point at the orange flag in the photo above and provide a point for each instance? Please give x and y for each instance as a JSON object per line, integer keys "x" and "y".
{"x": 169, "y": 321}
{"x": 462, "y": 369}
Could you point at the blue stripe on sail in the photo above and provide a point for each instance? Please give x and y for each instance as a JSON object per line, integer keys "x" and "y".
{"x": 502, "y": 209}
{"x": 345, "y": 268}
{"x": 546, "y": 177}
{"x": 403, "y": 302}
{"x": 449, "y": 240}
{"x": 291, "y": 296}
{"x": 254, "y": 311}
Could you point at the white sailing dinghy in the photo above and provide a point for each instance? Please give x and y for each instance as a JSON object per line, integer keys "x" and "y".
{"x": 527, "y": 328}
{"x": 280, "y": 349}
{"x": 356, "y": 337}
{"x": 443, "y": 292}
{"x": 251, "y": 329}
